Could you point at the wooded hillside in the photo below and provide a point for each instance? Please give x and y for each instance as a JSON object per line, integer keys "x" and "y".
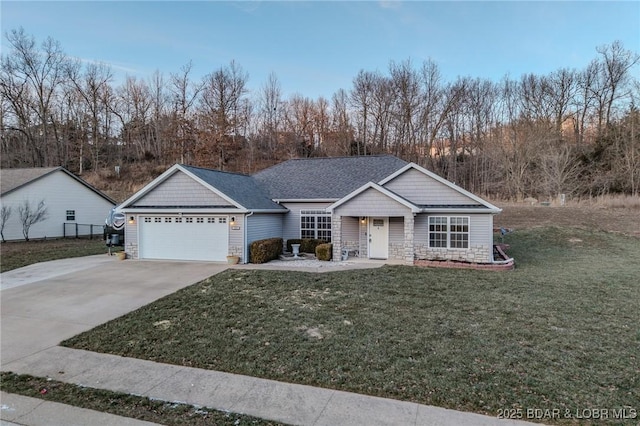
{"x": 571, "y": 131}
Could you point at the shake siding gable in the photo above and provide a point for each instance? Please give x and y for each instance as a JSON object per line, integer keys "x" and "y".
{"x": 181, "y": 190}
{"x": 371, "y": 203}
{"x": 421, "y": 189}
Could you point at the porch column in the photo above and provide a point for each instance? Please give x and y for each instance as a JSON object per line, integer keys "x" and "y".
{"x": 408, "y": 238}
{"x": 336, "y": 237}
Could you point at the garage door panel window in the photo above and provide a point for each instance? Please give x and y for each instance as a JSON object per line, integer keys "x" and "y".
{"x": 449, "y": 232}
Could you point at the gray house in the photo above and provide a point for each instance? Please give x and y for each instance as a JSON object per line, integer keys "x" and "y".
{"x": 377, "y": 207}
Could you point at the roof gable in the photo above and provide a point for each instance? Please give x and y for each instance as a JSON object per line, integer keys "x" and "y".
{"x": 180, "y": 189}
{"x": 13, "y": 179}
{"x": 370, "y": 186}
{"x": 325, "y": 178}
{"x": 425, "y": 188}
{"x": 220, "y": 188}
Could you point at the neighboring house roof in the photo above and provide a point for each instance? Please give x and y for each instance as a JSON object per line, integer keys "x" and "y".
{"x": 325, "y": 178}
{"x": 14, "y": 179}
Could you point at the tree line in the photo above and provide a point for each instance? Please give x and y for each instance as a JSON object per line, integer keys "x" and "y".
{"x": 571, "y": 131}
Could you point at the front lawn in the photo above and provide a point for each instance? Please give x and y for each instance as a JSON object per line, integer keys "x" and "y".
{"x": 17, "y": 254}
{"x": 561, "y": 331}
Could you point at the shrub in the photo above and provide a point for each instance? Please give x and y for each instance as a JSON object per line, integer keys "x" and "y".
{"x": 324, "y": 251}
{"x": 262, "y": 251}
{"x": 307, "y": 245}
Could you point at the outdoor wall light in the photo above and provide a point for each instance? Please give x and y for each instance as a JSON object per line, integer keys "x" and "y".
{"x": 363, "y": 220}
{"x": 132, "y": 219}
{"x": 233, "y": 221}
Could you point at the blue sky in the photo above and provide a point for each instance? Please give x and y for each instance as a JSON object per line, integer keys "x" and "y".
{"x": 316, "y": 48}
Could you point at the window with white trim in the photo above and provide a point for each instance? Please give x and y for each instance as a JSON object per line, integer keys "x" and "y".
{"x": 315, "y": 224}
{"x": 449, "y": 232}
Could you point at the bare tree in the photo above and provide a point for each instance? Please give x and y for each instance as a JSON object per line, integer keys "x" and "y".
{"x": 31, "y": 78}
{"x": 616, "y": 63}
{"x": 184, "y": 94}
{"x": 5, "y": 214}
{"x": 30, "y": 216}
{"x": 220, "y": 105}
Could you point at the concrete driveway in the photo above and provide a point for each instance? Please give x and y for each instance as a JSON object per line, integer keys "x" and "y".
{"x": 46, "y": 303}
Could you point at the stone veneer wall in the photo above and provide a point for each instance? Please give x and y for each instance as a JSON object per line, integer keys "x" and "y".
{"x": 131, "y": 249}
{"x": 236, "y": 251}
{"x": 352, "y": 246}
{"x": 396, "y": 251}
{"x": 475, "y": 254}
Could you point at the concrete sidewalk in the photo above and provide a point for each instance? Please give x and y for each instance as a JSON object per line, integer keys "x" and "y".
{"x": 267, "y": 399}
{"x": 24, "y": 410}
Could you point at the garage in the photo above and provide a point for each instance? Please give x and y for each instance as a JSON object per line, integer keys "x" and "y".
{"x": 185, "y": 237}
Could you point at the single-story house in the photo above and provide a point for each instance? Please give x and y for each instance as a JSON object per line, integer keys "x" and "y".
{"x": 377, "y": 207}
{"x": 71, "y": 203}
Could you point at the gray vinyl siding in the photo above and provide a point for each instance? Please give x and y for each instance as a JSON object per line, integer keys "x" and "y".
{"x": 181, "y": 190}
{"x": 261, "y": 226}
{"x": 396, "y": 230}
{"x": 480, "y": 228}
{"x": 350, "y": 229}
{"x": 236, "y": 236}
{"x": 291, "y": 220}
{"x": 371, "y": 203}
{"x": 421, "y": 189}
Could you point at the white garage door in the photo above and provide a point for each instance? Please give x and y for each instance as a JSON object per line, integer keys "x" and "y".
{"x": 184, "y": 238}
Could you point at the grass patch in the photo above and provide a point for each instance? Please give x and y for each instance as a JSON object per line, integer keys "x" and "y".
{"x": 22, "y": 253}
{"x": 137, "y": 407}
{"x": 562, "y": 331}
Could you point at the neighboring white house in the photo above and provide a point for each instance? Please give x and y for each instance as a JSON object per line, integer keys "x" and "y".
{"x": 373, "y": 206}
{"x": 68, "y": 199}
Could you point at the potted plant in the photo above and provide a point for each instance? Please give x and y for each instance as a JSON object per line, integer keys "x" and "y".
{"x": 232, "y": 259}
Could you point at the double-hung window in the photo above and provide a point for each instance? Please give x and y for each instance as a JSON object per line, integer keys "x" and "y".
{"x": 71, "y": 215}
{"x": 315, "y": 224}
{"x": 449, "y": 232}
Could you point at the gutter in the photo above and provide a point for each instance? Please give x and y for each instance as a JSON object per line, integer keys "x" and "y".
{"x": 245, "y": 249}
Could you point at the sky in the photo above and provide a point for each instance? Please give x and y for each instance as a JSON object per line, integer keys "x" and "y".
{"x": 316, "y": 48}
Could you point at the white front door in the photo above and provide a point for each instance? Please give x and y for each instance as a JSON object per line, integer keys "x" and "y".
{"x": 378, "y": 237}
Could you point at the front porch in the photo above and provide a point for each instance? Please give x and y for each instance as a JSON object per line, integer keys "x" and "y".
{"x": 386, "y": 238}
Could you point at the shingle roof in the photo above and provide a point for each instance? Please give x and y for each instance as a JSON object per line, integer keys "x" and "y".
{"x": 241, "y": 188}
{"x": 11, "y": 179}
{"x": 325, "y": 178}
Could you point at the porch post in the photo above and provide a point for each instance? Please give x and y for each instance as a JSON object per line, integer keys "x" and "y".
{"x": 408, "y": 238}
{"x": 336, "y": 237}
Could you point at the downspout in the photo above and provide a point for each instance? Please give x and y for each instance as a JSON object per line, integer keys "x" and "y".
{"x": 244, "y": 242}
